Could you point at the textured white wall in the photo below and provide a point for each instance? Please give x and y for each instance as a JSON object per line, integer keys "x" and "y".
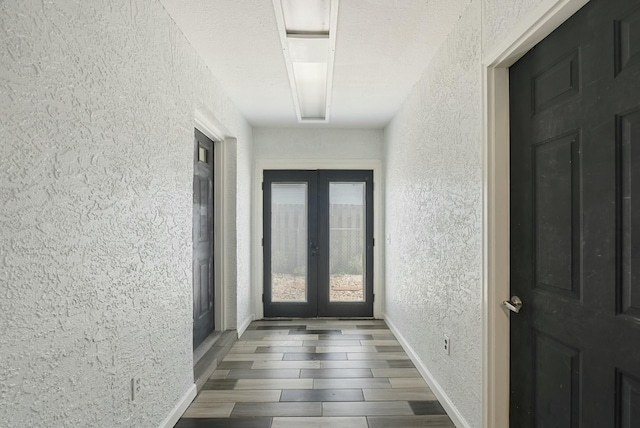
{"x": 434, "y": 211}
{"x": 318, "y": 143}
{"x": 433, "y": 167}
{"x": 244, "y": 308}
{"x": 501, "y": 16}
{"x": 97, "y": 104}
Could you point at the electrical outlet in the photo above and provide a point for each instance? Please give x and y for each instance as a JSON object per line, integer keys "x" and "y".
{"x": 136, "y": 387}
{"x": 447, "y": 345}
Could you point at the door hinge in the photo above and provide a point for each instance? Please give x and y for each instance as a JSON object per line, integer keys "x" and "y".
{"x": 263, "y": 185}
{"x": 374, "y": 242}
{"x": 263, "y": 242}
{"x": 374, "y": 298}
{"x": 263, "y": 298}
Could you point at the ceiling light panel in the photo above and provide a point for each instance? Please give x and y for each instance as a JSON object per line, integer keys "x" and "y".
{"x": 311, "y": 84}
{"x": 308, "y": 35}
{"x": 305, "y": 49}
{"x": 307, "y": 16}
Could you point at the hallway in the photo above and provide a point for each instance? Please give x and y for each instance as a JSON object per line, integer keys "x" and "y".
{"x": 101, "y": 101}
{"x": 316, "y": 373}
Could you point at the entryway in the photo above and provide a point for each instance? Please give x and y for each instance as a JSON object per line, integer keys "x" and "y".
{"x": 575, "y": 119}
{"x": 318, "y": 243}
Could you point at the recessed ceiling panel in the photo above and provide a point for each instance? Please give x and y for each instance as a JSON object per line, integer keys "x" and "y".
{"x": 306, "y": 16}
{"x": 308, "y": 49}
{"x": 311, "y": 82}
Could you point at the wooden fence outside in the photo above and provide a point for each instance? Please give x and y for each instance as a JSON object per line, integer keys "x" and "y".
{"x": 289, "y": 239}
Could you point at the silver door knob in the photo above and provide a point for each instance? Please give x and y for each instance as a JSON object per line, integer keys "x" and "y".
{"x": 514, "y": 305}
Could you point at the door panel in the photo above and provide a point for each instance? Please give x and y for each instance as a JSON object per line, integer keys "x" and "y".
{"x": 346, "y": 243}
{"x": 290, "y": 239}
{"x": 557, "y": 383}
{"x": 289, "y": 235}
{"x": 202, "y": 239}
{"x": 575, "y": 100}
{"x": 629, "y": 401}
{"x": 318, "y": 243}
{"x": 628, "y": 133}
{"x": 556, "y": 173}
{"x": 347, "y": 226}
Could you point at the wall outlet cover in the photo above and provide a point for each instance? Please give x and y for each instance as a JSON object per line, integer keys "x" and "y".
{"x": 447, "y": 345}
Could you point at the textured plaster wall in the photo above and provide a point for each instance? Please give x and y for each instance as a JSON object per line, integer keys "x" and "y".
{"x": 242, "y": 268}
{"x": 501, "y": 16}
{"x": 433, "y": 166}
{"x": 97, "y": 102}
{"x": 319, "y": 143}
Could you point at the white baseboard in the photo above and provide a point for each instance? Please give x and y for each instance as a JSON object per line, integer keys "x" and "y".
{"x": 440, "y": 394}
{"x": 179, "y": 408}
{"x": 243, "y": 326}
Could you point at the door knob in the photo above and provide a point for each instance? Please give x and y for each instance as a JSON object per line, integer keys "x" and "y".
{"x": 514, "y": 305}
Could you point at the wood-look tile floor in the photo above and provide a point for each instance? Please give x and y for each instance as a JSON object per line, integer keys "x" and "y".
{"x": 316, "y": 373}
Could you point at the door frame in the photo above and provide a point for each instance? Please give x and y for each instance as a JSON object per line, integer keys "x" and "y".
{"x": 205, "y": 126}
{"x": 532, "y": 29}
{"x": 374, "y": 165}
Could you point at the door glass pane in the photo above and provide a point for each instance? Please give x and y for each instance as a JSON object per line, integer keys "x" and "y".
{"x": 289, "y": 242}
{"x": 347, "y": 241}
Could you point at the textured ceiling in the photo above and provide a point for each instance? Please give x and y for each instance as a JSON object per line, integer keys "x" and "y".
{"x": 383, "y": 47}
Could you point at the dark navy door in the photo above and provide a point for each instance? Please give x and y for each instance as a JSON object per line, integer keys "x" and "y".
{"x": 318, "y": 243}
{"x": 575, "y": 259}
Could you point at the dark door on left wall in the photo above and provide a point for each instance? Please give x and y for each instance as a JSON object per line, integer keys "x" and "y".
{"x": 202, "y": 238}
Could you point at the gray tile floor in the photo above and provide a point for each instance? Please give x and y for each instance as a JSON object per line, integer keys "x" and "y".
{"x": 316, "y": 373}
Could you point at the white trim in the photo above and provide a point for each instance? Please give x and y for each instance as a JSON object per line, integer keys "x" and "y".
{"x": 282, "y": 32}
{"x": 207, "y": 127}
{"x": 312, "y": 164}
{"x": 538, "y": 24}
{"x": 245, "y": 324}
{"x": 333, "y": 30}
{"x": 219, "y": 241}
{"x": 438, "y": 391}
{"x": 531, "y": 30}
{"x": 180, "y": 407}
{"x": 229, "y": 233}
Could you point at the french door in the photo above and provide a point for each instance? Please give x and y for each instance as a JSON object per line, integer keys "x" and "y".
{"x": 318, "y": 243}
